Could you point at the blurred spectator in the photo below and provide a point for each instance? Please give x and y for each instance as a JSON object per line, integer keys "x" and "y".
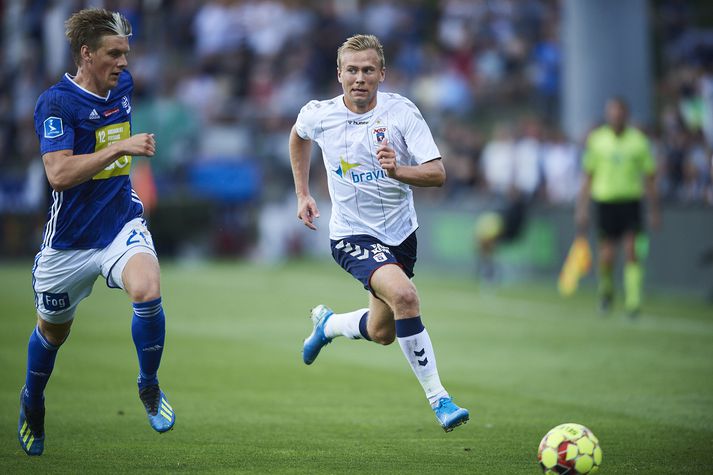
{"x": 560, "y": 167}
{"x": 232, "y": 74}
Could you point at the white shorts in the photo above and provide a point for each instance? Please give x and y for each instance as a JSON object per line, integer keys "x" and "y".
{"x": 63, "y": 278}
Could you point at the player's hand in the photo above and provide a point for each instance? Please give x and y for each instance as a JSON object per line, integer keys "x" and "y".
{"x": 387, "y": 158}
{"x": 655, "y": 219}
{"x": 581, "y": 219}
{"x": 143, "y": 145}
{"x": 307, "y": 211}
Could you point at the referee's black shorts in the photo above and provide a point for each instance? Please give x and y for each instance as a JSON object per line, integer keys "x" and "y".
{"x": 617, "y": 218}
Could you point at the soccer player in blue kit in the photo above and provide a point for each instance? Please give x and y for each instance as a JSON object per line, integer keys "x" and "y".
{"x": 95, "y": 224}
{"x": 374, "y": 146}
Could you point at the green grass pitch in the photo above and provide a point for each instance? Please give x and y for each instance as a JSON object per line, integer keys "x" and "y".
{"x": 521, "y": 359}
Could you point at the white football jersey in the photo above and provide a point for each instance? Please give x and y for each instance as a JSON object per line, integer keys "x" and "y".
{"x": 364, "y": 199}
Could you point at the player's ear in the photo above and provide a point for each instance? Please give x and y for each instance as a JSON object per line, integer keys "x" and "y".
{"x": 339, "y": 75}
{"x": 383, "y": 75}
{"x": 85, "y": 53}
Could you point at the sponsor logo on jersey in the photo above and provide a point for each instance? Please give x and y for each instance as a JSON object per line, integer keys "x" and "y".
{"x": 110, "y": 112}
{"x": 94, "y": 115}
{"x": 55, "y": 302}
{"x": 368, "y": 176}
{"x": 53, "y": 127}
{"x": 126, "y": 104}
{"x": 106, "y": 136}
{"x": 345, "y": 171}
{"x": 344, "y": 167}
{"x": 379, "y": 134}
{"x": 357, "y": 122}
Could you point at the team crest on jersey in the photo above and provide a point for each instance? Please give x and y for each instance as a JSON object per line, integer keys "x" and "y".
{"x": 379, "y": 252}
{"x": 126, "y": 104}
{"x": 379, "y": 134}
{"x": 53, "y": 127}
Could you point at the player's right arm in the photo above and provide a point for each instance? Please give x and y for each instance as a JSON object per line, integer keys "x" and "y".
{"x": 581, "y": 209}
{"x": 300, "y": 153}
{"x": 65, "y": 170}
{"x": 581, "y": 213}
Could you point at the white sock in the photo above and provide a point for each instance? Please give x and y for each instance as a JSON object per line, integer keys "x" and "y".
{"x": 419, "y": 353}
{"x": 345, "y": 324}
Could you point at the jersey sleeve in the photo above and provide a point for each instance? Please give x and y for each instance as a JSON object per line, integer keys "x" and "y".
{"x": 307, "y": 120}
{"x": 54, "y": 124}
{"x": 417, "y": 135}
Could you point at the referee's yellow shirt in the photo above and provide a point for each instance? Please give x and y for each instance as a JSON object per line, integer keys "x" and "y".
{"x": 618, "y": 163}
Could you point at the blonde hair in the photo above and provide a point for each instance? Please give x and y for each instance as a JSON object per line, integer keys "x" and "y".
{"x": 89, "y": 26}
{"x": 362, "y": 43}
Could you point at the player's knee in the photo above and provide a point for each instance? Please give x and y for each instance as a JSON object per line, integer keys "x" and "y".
{"x": 383, "y": 336}
{"x": 54, "y": 334}
{"x": 145, "y": 291}
{"x": 405, "y": 301}
{"x": 56, "y": 338}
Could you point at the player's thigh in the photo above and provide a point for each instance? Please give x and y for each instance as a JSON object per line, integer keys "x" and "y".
{"x": 629, "y": 242}
{"x": 390, "y": 284}
{"x": 61, "y": 279}
{"x": 141, "y": 277}
{"x": 130, "y": 261}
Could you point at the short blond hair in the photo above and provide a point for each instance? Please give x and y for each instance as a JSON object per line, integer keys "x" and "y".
{"x": 89, "y": 26}
{"x": 362, "y": 43}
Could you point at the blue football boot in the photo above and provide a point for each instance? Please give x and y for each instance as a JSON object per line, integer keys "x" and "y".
{"x": 159, "y": 411}
{"x": 449, "y": 415}
{"x": 31, "y": 427}
{"x": 316, "y": 340}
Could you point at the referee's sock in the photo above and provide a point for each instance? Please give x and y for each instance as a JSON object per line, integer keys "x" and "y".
{"x": 633, "y": 280}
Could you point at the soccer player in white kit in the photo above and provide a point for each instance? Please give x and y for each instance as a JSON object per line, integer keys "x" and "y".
{"x": 95, "y": 225}
{"x": 375, "y": 146}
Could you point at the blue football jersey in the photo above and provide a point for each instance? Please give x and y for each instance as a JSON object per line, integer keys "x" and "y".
{"x": 68, "y": 117}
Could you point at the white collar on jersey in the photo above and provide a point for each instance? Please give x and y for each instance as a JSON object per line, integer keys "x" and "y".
{"x": 71, "y": 79}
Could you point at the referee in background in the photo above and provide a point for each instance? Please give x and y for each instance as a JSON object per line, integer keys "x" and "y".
{"x": 618, "y": 169}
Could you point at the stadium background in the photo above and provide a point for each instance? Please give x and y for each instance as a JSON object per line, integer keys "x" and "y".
{"x": 220, "y": 83}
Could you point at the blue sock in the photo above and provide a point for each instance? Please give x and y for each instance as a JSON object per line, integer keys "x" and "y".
{"x": 40, "y": 362}
{"x": 362, "y": 326}
{"x": 148, "y": 329}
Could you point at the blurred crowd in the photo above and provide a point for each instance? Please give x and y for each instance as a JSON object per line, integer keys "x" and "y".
{"x": 222, "y": 81}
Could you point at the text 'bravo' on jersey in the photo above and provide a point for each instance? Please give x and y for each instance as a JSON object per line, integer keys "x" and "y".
{"x": 69, "y": 117}
{"x": 365, "y": 200}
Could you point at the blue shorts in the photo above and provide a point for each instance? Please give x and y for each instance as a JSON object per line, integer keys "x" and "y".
{"x": 361, "y": 255}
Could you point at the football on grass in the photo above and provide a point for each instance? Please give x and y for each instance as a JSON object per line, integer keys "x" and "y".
{"x": 569, "y": 449}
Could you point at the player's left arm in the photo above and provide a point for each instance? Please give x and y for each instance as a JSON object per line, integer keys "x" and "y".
{"x": 650, "y": 187}
{"x": 430, "y": 173}
{"x": 652, "y": 196}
